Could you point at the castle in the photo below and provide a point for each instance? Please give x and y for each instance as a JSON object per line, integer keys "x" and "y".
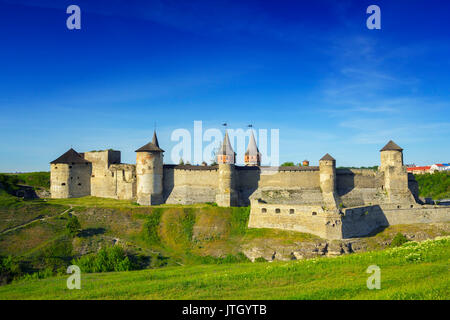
{"x": 331, "y": 203}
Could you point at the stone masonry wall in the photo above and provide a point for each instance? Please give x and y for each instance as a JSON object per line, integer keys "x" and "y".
{"x": 70, "y": 180}
{"x": 188, "y": 186}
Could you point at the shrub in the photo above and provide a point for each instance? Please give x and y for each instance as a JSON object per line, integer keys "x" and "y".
{"x": 105, "y": 260}
{"x": 434, "y": 185}
{"x": 213, "y": 204}
{"x": 288, "y": 164}
{"x": 73, "y": 226}
{"x": 9, "y": 269}
{"x": 398, "y": 240}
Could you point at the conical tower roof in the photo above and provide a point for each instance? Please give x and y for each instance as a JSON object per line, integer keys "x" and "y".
{"x": 71, "y": 156}
{"x": 151, "y": 146}
{"x": 327, "y": 157}
{"x": 252, "y": 148}
{"x": 226, "y": 148}
{"x": 391, "y": 145}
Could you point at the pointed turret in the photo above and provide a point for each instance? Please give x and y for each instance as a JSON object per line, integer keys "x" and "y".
{"x": 252, "y": 155}
{"x": 149, "y": 173}
{"x": 226, "y": 194}
{"x": 226, "y": 153}
{"x": 151, "y": 146}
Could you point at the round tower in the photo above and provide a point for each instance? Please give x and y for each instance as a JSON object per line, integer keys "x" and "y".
{"x": 391, "y": 156}
{"x": 149, "y": 173}
{"x": 395, "y": 185}
{"x": 59, "y": 180}
{"x": 226, "y": 196}
{"x": 327, "y": 171}
{"x": 327, "y": 168}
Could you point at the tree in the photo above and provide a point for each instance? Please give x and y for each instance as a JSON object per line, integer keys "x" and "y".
{"x": 287, "y": 164}
{"x": 73, "y": 225}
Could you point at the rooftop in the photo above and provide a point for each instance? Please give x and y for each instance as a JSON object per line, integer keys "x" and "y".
{"x": 327, "y": 157}
{"x": 391, "y": 145}
{"x": 151, "y": 146}
{"x": 71, "y": 156}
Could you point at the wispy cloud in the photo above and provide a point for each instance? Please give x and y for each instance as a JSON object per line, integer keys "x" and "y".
{"x": 371, "y": 103}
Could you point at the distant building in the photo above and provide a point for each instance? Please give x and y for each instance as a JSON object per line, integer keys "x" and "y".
{"x": 440, "y": 167}
{"x": 418, "y": 170}
{"x": 428, "y": 169}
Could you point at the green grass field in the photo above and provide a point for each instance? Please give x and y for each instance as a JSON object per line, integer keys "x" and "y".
{"x": 412, "y": 271}
{"x": 195, "y": 252}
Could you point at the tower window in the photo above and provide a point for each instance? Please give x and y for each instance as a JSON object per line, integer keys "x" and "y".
{"x": 291, "y": 211}
{"x": 263, "y": 210}
{"x": 79, "y": 184}
{"x": 63, "y": 184}
{"x": 314, "y": 213}
{"x": 277, "y": 210}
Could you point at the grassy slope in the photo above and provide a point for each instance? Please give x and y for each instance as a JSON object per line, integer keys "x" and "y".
{"x": 34, "y": 179}
{"x": 187, "y": 235}
{"x": 174, "y": 228}
{"x": 413, "y": 271}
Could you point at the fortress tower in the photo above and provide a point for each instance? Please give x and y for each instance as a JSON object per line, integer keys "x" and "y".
{"x": 395, "y": 174}
{"x": 70, "y": 176}
{"x": 149, "y": 173}
{"x": 252, "y": 155}
{"x": 327, "y": 178}
{"x": 226, "y": 194}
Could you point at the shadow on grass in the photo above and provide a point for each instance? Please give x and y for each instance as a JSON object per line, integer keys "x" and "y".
{"x": 90, "y": 232}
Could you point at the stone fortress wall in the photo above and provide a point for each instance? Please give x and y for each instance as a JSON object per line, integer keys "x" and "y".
{"x": 331, "y": 203}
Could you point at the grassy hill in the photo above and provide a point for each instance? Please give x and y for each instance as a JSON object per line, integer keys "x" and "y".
{"x": 38, "y": 180}
{"x": 412, "y": 271}
{"x": 165, "y": 240}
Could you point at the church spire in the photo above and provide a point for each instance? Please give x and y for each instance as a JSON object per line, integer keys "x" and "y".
{"x": 252, "y": 155}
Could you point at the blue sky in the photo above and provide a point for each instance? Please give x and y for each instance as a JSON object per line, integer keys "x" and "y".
{"x": 308, "y": 68}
